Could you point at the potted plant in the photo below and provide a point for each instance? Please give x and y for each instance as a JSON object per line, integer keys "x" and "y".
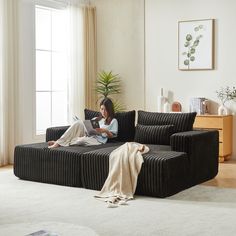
{"x": 108, "y": 85}
{"x": 224, "y": 95}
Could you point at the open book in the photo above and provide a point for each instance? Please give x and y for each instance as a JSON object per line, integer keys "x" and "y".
{"x": 89, "y": 125}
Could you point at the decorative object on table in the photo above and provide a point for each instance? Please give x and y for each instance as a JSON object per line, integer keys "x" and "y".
{"x": 176, "y": 107}
{"x": 223, "y": 110}
{"x": 196, "y": 45}
{"x": 225, "y": 94}
{"x": 160, "y": 102}
{"x": 206, "y": 107}
{"x": 166, "y": 106}
{"x": 199, "y": 105}
{"x": 107, "y": 85}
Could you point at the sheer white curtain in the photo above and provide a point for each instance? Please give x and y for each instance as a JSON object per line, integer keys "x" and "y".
{"x": 8, "y": 79}
{"x": 77, "y": 82}
{"x": 83, "y": 58}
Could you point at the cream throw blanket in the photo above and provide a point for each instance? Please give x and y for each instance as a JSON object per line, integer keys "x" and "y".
{"x": 125, "y": 164}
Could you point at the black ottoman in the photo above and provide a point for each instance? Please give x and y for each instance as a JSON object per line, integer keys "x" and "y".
{"x": 163, "y": 172}
{"x": 36, "y": 162}
{"x": 62, "y": 165}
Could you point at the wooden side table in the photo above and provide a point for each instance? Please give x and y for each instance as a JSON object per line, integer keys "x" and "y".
{"x": 225, "y": 126}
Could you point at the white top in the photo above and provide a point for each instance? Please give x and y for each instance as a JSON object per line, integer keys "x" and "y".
{"x": 112, "y": 127}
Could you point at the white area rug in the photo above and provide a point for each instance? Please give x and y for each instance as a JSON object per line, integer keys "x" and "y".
{"x": 54, "y": 228}
{"x": 26, "y": 207}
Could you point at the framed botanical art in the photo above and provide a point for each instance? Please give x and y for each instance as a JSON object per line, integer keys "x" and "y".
{"x": 196, "y": 45}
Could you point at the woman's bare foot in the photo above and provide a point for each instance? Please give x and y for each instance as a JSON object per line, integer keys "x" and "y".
{"x": 54, "y": 145}
{"x": 50, "y": 143}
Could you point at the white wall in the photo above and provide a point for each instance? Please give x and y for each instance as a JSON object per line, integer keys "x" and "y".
{"x": 120, "y": 42}
{"x": 162, "y": 18}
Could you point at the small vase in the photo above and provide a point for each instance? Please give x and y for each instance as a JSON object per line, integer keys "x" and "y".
{"x": 166, "y": 107}
{"x": 223, "y": 110}
{"x": 160, "y": 102}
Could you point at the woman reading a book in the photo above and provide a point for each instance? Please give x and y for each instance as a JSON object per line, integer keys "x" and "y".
{"x": 77, "y": 135}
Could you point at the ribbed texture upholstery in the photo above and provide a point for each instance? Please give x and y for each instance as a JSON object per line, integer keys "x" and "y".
{"x": 191, "y": 158}
{"x": 163, "y": 172}
{"x": 54, "y": 133}
{"x": 202, "y": 148}
{"x": 90, "y": 114}
{"x": 153, "y": 134}
{"x": 95, "y": 166}
{"x": 126, "y": 124}
{"x": 61, "y": 165}
{"x": 181, "y": 121}
{"x": 36, "y": 162}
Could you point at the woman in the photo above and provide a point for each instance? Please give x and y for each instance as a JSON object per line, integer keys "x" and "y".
{"x": 76, "y": 134}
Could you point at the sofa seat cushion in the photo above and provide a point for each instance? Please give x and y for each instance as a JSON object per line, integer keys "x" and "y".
{"x": 62, "y": 165}
{"x": 163, "y": 172}
{"x": 181, "y": 121}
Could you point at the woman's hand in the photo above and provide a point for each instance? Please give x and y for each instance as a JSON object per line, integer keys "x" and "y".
{"x": 102, "y": 130}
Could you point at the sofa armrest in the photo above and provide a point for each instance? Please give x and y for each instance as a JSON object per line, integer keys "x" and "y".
{"x": 54, "y": 133}
{"x": 202, "y": 148}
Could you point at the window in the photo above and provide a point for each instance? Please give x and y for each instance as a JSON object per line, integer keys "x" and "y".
{"x": 51, "y": 68}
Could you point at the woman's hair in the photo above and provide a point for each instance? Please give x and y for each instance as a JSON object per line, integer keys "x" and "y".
{"x": 108, "y": 104}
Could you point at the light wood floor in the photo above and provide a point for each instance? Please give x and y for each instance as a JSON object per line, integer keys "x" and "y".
{"x": 226, "y": 177}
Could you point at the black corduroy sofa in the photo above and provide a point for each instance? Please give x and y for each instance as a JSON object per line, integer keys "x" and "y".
{"x": 179, "y": 157}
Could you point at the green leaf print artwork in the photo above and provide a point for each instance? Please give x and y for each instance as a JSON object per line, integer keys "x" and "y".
{"x": 191, "y": 43}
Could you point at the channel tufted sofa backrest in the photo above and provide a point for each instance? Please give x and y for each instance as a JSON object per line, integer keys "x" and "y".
{"x": 181, "y": 121}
